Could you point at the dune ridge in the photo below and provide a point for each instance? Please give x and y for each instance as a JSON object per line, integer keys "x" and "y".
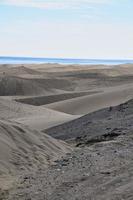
{"x": 75, "y": 141}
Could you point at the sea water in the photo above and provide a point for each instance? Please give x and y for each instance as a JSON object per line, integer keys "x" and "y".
{"x": 32, "y": 60}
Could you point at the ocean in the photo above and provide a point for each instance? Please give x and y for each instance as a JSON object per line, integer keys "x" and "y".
{"x": 30, "y": 60}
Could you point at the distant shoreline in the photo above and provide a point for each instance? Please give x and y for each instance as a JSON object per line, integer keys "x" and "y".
{"x": 30, "y": 60}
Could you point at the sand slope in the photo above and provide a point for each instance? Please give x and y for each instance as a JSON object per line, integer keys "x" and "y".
{"x": 101, "y": 161}
{"x": 42, "y": 100}
{"x": 83, "y": 105}
{"x": 31, "y": 86}
{"x": 97, "y": 126}
{"x": 35, "y": 117}
{"x": 102, "y": 168}
{"x": 45, "y": 119}
{"x": 17, "y": 70}
{"x": 10, "y": 86}
{"x": 25, "y": 149}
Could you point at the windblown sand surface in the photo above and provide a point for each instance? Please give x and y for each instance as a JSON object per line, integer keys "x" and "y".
{"x": 91, "y": 103}
{"x": 25, "y": 149}
{"x": 35, "y": 117}
{"x": 66, "y": 132}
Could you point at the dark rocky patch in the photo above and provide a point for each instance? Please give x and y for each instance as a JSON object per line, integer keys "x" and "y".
{"x": 97, "y": 124}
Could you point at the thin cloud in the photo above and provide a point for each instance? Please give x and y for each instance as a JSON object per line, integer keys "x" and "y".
{"x": 56, "y": 4}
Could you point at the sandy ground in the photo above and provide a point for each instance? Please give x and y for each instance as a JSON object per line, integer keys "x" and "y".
{"x": 102, "y": 171}
{"x": 61, "y": 136}
{"x": 90, "y": 103}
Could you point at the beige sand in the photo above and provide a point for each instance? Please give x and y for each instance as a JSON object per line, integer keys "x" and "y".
{"x": 87, "y": 104}
{"x": 23, "y": 145}
{"x": 22, "y": 148}
{"x": 38, "y": 118}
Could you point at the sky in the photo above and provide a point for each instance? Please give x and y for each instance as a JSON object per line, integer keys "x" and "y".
{"x": 101, "y": 29}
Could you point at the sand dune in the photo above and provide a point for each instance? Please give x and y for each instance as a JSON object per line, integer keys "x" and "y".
{"x": 25, "y": 149}
{"x": 102, "y": 168}
{"x": 14, "y": 85}
{"x": 55, "y": 83}
{"x": 52, "y": 68}
{"x": 83, "y": 105}
{"x": 38, "y": 69}
{"x": 119, "y": 70}
{"x": 17, "y": 70}
{"x": 108, "y": 70}
{"x": 10, "y": 86}
{"x": 42, "y": 100}
{"x": 35, "y": 117}
{"x": 97, "y": 126}
{"x": 60, "y": 96}
{"x": 45, "y": 119}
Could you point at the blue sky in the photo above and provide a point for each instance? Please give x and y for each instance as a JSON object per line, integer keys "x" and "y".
{"x": 67, "y": 28}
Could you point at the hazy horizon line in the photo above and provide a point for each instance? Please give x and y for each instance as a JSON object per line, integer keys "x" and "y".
{"x": 69, "y": 58}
